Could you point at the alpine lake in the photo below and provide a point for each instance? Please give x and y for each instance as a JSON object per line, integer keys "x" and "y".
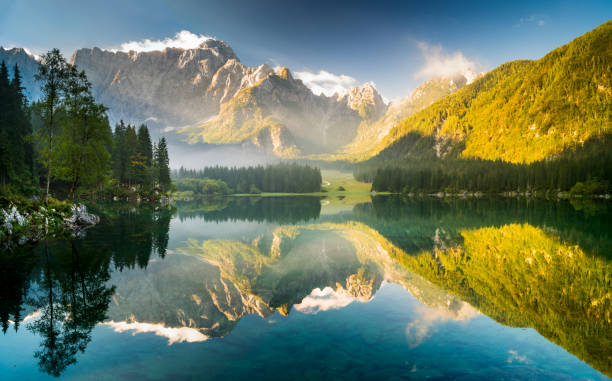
{"x": 301, "y": 287}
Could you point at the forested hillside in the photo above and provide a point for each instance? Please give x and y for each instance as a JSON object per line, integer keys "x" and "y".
{"x": 521, "y": 112}
{"x": 527, "y": 125}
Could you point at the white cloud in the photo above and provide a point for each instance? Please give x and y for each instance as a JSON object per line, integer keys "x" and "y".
{"x": 441, "y": 64}
{"x": 31, "y": 316}
{"x": 174, "y": 335}
{"x": 183, "y": 39}
{"x": 420, "y": 328}
{"x": 530, "y": 20}
{"x": 324, "y": 300}
{"x": 325, "y": 82}
{"x": 516, "y": 357}
{"x": 527, "y": 19}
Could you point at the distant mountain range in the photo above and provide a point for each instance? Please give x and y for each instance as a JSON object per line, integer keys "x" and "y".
{"x": 206, "y": 95}
{"x": 522, "y": 111}
{"x": 222, "y": 101}
{"x": 28, "y": 66}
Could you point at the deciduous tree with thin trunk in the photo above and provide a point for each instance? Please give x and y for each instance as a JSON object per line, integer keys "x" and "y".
{"x": 52, "y": 73}
{"x": 82, "y": 155}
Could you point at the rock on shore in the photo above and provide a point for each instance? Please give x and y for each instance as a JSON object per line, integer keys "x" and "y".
{"x": 23, "y": 223}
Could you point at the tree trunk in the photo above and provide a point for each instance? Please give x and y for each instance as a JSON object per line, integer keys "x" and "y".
{"x": 50, "y": 158}
{"x": 73, "y": 187}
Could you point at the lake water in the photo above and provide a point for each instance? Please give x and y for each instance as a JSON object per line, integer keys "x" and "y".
{"x": 304, "y": 288}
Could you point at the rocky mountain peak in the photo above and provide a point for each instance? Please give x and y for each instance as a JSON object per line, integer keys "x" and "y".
{"x": 173, "y": 86}
{"x": 28, "y": 65}
{"x": 366, "y": 100}
{"x": 285, "y": 73}
{"x": 221, "y": 47}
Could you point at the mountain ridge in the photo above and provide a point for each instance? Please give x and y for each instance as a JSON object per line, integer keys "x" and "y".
{"x": 28, "y": 66}
{"x": 520, "y": 112}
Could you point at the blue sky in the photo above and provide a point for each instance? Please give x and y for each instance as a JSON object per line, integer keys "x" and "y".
{"x": 395, "y": 44}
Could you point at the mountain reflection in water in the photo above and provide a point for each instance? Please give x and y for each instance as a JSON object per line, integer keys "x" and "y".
{"x": 191, "y": 273}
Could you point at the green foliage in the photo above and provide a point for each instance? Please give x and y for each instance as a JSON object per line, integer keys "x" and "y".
{"x": 82, "y": 157}
{"x": 52, "y": 75}
{"x": 592, "y": 186}
{"x": 279, "y": 178}
{"x": 202, "y": 187}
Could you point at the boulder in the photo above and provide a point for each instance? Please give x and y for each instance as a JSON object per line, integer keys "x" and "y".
{"x": 80, "y": 217}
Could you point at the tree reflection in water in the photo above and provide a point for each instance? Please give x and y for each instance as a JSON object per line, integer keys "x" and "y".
{"x": 62, "y": 285}
{"x": 70, "y": 301}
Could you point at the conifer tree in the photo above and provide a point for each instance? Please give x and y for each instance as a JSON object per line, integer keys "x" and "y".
{"x": 15, "y": 149}
{"x": 162, "y": 165}
{"x": 4, "y": 121}
{"x": 145, "y": 156}
{"x": 119, "y": 158}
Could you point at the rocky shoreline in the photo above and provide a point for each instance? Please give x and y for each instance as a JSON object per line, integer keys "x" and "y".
{"x": 22, "y": 223}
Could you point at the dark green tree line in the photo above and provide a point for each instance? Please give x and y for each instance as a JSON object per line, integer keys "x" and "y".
{"x": 282, "y": 178}
{"x": 16, "y": 152}
{"x": 585, "y": 170}
{"x": 138, "y": 162}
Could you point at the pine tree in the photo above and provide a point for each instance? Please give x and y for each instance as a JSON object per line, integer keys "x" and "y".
{"x": 134, "y": 163}
{"x": 23, "y": 152}
{"x": 15, "y": 149}
{"x": 162, "y": 165}
{"x": 4, "y": 121}
{"x": 119, "y": 161}
{"x": 145, "y": 154}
